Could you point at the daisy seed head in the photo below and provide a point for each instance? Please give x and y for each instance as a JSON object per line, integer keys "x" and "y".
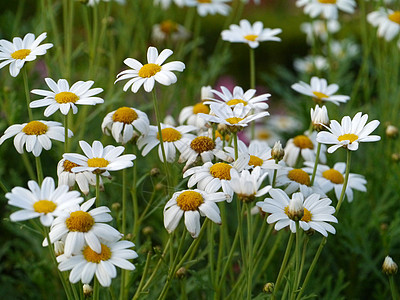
{"x": 299, "y": 176}
{"x": 189, "y": 200}
{"x": 221, "y": 171}
{"x": 327, "y": 1}
{"x": 92, "y": 256}
{"x": 334, "y": 176}
{"x": 125, "y": 115}
{"x": 44, "y": 206}
{"x": 66, "y": 97}
{"x": 169, "y": 135}
{"x": 202, "y": 143}
{"x": 303, "y": 142}
{"x": 21, "y": 54}
{"x": 79, "y": 221}
{"x": 395, "y": 17}
{"x": 201, "y": 108}
{"x": 68, "y": 165}
{"x": 389, "y": 267}
{"x": 97, "y": 162}
{"x": 255, "y": 161}
{"x": 149, "y": 70}
{"x": 35, "y": 128}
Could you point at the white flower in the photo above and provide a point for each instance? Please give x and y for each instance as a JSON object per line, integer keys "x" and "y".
{"x": 319, "y": 117}
{"x": 88, "y": 263}
{"x": 311, "y": 64}
{"x": 125, "y": 123}
{"x": 317, "y": 212}
{"x": 319, "y": 90}
{"x": 169, "y": 31}
{"x": 387, "y": 21}
{"x": 239, "y": 96}
{"x": 389, "y": 267}
{"x": 22, "y": 50}
{"x": 211, "y": 7}
{"x": 173, "y": 138}
{"x": 344, "y": 49}
{"x": 37, "y": 135}
{"x": 333, "y": 178}
{"x": 192, "y": 204}
{"x": 166, "y": 3}
{"x": 296, "y": 180}
{"x": 189, "y": 114}
{"x": 79, "y": 226}
{"x": 250, "y": 34}
{"x": 349, "y": 133}
{"x": 147, "y": 74}
{"x": 63, "y": 98}
{"x": 99, "y": 159}
{"x": 327, "y": 8}
{"x": 319, "y": 29}
{"x": 45, "y": 201}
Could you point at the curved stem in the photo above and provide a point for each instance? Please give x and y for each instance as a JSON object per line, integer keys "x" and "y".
{"x": 283, "y": 265}
{"x": 146, "y": 269}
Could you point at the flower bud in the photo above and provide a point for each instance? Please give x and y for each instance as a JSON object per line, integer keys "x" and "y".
{"x": 389, "y": 267}
{"x": 128, "y": 236}
{"x": 396, "y": 157}
{"x": 154, "y": 172}
{"x": 392, "y": 131}
{"x": 159, "y": 186}
{"x": 296, "y": 208}
{"x": 319, "y": 117}
{"x": 181, "y": 273}
{"x": 269, "y": 288}
{"x": 148, "y": 230}
{"x": 116, "y": 206}
{"x": 87, "y": 290}
{"x": 277, "y": 151}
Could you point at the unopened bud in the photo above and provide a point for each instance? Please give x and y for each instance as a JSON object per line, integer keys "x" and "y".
{"x": 222, "y": 129}
{"x": 277, "y": 151}
{"x": 154, "y": 172}
{"x": 389, "y": 267}
{"x": 181, "y": 273}
{"x": 319, "y": 117}
{"x": 128, "y": 236}
{"x": 396, "y": 157}
{"x": 392, "y": 131}
{"x": 296, "y": 208}
{"x": 148, "y": 230}
{"x": 159, "y": 186}
{"x": 269, "y": 288}
{"x": 59, "y": 248}
{"x": 116, "y": 206}
{"x": 87, "y": 290}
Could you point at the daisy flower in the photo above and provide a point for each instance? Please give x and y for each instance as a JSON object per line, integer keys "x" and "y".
{"x": 189, "y": 114}
{"x": 67, "y": 177}
{"x": 320, "y": 91}
{"x": 63, "y": 98}
{"x": 333, "y": 178}
{"x": 147, "y": 74}
{"x": 319, "y": 117}
{"x": 99, "y": 159}
{"x": 239, "y": 96}
{"x": 387, "y": 21}
{"x": 236, "y": 119}
{"x": 247, "y": 185}
{"x": 349, "y": 133}
{"x": 166, "y": 3}
{"x": 88, "y": 263}
{"x": 35, "y": 135}
{"x": 296, "y": 180}
{"x": 78, "y": 226}
{"x": 316, "y": 212}
{"x": 210, "y": 7}
{"x": 250, "y": 34}
{"x": 212, "y": 177}
{"x": 174, "y": 138}
{"x": 125, "y": 123}
{"x": 327, "y": 8}
{"x": 319, "y": 29}
{"x": 303, "y": 145}
{"x": 192, "y": 204}
{"x": 169, "y": 30}
{"x": 45, "y": 201}
{"x": 311, "y": 64}
{"x": 22, "y": 50}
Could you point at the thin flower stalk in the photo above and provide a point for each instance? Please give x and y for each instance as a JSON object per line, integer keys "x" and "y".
{"x": 283, "y": 265}
{"x": 250, "y": 251}
{"x": 39, "y": 170}
{"x": 27, "y": 96}
{"x": 144, "y": 275}
{"x": 315, "y": 164}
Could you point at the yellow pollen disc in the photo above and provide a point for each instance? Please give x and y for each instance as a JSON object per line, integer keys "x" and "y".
{"x": 303, "y": 142}
{"x": 299, "y": 176}
{"x": 202, "y": 143}
{"x": 263, "y": 135}
{"x": 348, "y": 137}
{"x": 169, "y": 135}
{"x": 233, "y": 120}
{"x": 251, "y": 37}
{"x": 395, "y": 17}
{"x": 189, "y": 200}
{"x": 35, "y": 128}
{"x": 219, "y": 135}
{"x": 333, "y": 175}
{"x": 221, "y": 171}
{"x": 66, "y": 97}
{"x": 125, "y": 115}
{"x": 236, "y": 101}
{"x": 97, "y": 162}
{"x": 327, "y": 1}
{"x": 92, "y": 256}
{"x": 44, "y": 206}
{"x": 201, "y": 108}
{"x": 204, "y": 1}
{"x": 79, "y": 221}
{"x": 320, "y": 95}
{"x": 307, "y": 216}
{"x": 255, "y": 161}
{"x": 20, "y": 54}
{"x": 168, "y": 27}
{"x": 68, "y": 165}
{"x": 149, "y": 70}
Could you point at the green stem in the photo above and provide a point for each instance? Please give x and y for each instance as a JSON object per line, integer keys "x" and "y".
{"x": 28, "y": 166}
{"x": 66, "y": 133}
{"x": 250, "y": 251}
{"x": 145, "y": 271}
{"x": 316, "y": 163}
{"x": 346, "y": 179}
{"x": 39, "y": 170}
{"x": 124, "y": 207}
{"x": 137, "y": 220}
{"x": 235, "y": 143}
{"x": 27, "y": 96}
{"x": 393, "y": 288}
{"x": 297, "y": 261}
{"x": 240, "y": 215}
{"x": 97, "y": 190}
{"x": 3, "y": 187}
{"x": 96, "y": 289}
{"x": 274, "y": 178}
{"x": 210, "y": 246}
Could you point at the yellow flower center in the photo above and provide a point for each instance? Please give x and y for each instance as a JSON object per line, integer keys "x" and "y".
{"x": 97, "y": 162}
{"x": 255, "y": 161}
{"x": 92, "y": 256}
{"x": 200, "y": 108}
{"x": 68, "y": 165}
{"x": 221, "y": 171}
{"x": 202, "y": 143}
{"x": 204, "y": 1}
{"x": 20, "y": 54}
{"x": 44, "y": 206}
{"x": 333, "y": 175}
{"x": 327, "y": 1}
{"x": 80, "y": 221}
{"x": 306, "y": 217}
{"x": 251, "y": 37}
{"x": 236, "y": 101}
{"x": 219, "y": 135}
{"x": 263, "y": 134}
{"x": 35, "y": 128}
{"x": 189, "y": 200}
{"x": 125, "y": 115}
{"x": 149, "y": 70}
{"x": 320, "y": 95}
{"x": 395, "y": 17}
{"x": 233, "y": 120}
{"x": 168, "y": 26}
{"x": 66, "y": 97}
{"x": 299, "y": 176}
{"x": 169, "y": 135}
{"x": 348, "y": 137}
{"x": 303, "y": 142}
